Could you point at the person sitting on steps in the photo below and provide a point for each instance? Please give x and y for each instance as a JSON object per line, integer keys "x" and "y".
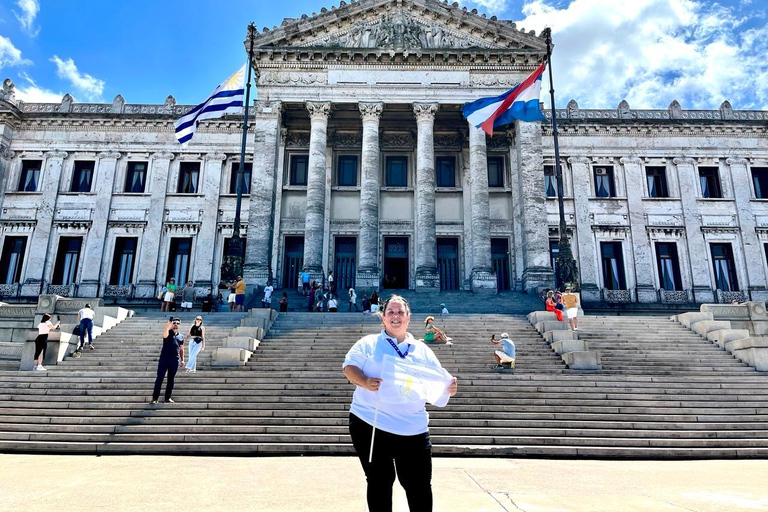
{"x": 433, "y": 333}
{"x": 505, "y": 358}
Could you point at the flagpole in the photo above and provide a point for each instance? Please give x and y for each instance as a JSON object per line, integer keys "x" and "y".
{"x": 373, "y": 431}
{"x": 566, "y": 269}
{"x": 235, "y": 257}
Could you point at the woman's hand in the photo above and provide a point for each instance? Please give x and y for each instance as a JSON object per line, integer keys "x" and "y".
{"x": 372, "y": 384}
{"x": 453, "y": 387}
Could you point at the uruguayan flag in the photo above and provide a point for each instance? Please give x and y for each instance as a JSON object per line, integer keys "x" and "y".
{"x": 226, "y": 99}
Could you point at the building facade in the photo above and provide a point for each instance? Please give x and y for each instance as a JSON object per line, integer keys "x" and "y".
{"x": 359, "y": 161}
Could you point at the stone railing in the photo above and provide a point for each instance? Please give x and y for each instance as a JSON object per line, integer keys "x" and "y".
{"x": 617, "y": 296}
{"x": 674, "y": 111}
{"x": 729, "y": 297}
{"x": 62, "y": 290}
{"x": 10, "y": 290}
{"x": 675, "y": 296}
{"x": 114, "y": 290}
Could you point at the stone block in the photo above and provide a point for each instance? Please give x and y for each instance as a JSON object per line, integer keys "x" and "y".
{"x": 551, "y": 325}
{"x": 245, "y": 342}
{"x": 722, "y": 336}
{"x": 704, "y": 326}
{"x": 230, "y": 356}
{"x": 583, "y": 360}
{"x": 688, "y": 318}
{"x": 254, "y": 322}
{"x": 253, "y": 332}
{"x": 541, "y": 316}
{"x": 553, "y": 336}
{"x": 753, "y": 351}
{"x": 566, "y": 346}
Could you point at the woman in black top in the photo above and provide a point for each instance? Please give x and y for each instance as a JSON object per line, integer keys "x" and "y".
{"x": 197, "y": 335}
{"x": 171, "y": 357}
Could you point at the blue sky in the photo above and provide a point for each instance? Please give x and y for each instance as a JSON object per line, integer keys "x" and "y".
{"x": 647, "y": 51}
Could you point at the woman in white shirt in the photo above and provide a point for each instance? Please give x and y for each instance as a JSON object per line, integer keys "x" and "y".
{"x": 43, "y": 328}
{"x": 401, "y": 439}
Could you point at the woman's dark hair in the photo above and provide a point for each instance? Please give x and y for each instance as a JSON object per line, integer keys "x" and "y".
{"x": 45, "y": 318}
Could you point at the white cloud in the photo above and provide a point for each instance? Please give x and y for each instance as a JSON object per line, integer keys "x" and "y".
{"x": 31, "y": 93}
{"x": 492, "y": 6}
{"x": 91, "y": 88}
{"x": 651, "y": 52}
{"x": 29, "y": 10}
{"x": 10, "y": 55}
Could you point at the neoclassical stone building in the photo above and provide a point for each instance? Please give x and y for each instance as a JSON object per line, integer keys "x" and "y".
{"x": 359, "y": 161}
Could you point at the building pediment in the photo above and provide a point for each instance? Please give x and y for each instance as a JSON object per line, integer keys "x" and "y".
{"x": 398, "y": 25}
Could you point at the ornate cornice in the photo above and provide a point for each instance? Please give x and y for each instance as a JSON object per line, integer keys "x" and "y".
{"x": 319, "y": 111}
{"x": 425, "y": 112}
{"x": 370, "y": 111}
{"x": 268, "y": 108}
{"x": 630, "y": 160}
{"x": 109, "y": 155}
{"x": 218, "y": 157}
{"x": 579, "y": 160}
{"x": 162, "y": 155}
{"x": 684, "y": 161}
{"x": 56, "y": 154}
{"x": 736, "y": 161}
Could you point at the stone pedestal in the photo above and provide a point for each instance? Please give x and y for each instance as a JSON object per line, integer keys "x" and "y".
{"x": 314, "y": 226}
{"x": 426, "y": 234}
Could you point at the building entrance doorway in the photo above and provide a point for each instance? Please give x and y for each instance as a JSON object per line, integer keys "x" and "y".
{"x": 395, "y": 262}
{"x": 293, "y": 261}
{"x": 500, "y": 258}
{"x": 344, "y": 263}
{"x": 448, "y": 263}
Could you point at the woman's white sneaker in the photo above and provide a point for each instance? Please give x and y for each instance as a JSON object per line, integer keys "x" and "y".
{"x": 41, "y": 367}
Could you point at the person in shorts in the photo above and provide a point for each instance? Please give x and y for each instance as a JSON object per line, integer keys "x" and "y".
{"x": 266, "y": 302}
{"x": 231, "y": 297}
{"x": 571, "y": 302}
{"x": 188, "y": 296}
{"x": 505, "y": 358}
{"x": 239, "y": 294}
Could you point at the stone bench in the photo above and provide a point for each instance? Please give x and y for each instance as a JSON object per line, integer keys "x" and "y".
{"x": 225, "y": 356}
{"x": 722, "y": 336}
{"x": 689, "y": 318}
{"x": 551, "y": 325}
{"x": 541, "y": 316}
{"x": 752, "y": 350}
{"x": 583, "y": 360}
{"x": 702, "y": 327}
{"x": 560, "y": 335}
{"x": 566, "y": 346}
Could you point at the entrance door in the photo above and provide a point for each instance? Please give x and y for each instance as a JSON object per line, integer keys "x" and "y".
{"x": 293, "y": 261}
{"x": 448, "y": 263}
{"x": 344, "y": 263}
{"x": 500, "y": 258}
{"x": 396, "y": 261}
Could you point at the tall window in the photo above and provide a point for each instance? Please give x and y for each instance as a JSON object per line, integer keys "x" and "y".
{"x": 397, "y": 171}
{"x": 613, "y": 265}
{"x": 67, "y": 259}
{"x": 445, "y": 171}
{"x": 82, "y": 177}
{"x": 604, "y": 186}
{"x": 495, "y": 171}
{"x": 554, "y": 252}
{"x": 247, "y": 168}
{"x": 550, "y": 182}
{"x": 669, "y": 266}
{"x": 346, "y": 174}
{"x": 710, "y": 182}
{"x": 136, "y": 177}
{"x": 657, "y": 181}
{"x": 178, "y": 259}
{"x": 122, "y": 263}
{"x": 12, "y": 260}
{"x": 299, "y": 164}
{"x": 189, "y": 177}
{"x": 760, "y": 179}
{"x": 30, "y": 175}
{"x": 724, "y": 267}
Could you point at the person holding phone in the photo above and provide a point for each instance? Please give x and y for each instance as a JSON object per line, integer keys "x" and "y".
{"x": 41, "y": 342}
{"x": 171, "y": 357}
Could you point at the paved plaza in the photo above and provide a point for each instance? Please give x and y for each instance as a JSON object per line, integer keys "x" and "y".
{"x": 43, "y": 483}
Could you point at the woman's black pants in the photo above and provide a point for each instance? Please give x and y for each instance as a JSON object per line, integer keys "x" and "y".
{"x": 171, "y": 366}
{"x": 410, "y": 455}
{"x": 40, "y": 343}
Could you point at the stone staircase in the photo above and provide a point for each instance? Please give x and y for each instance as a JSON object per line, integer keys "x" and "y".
{"x": 292, "y": 398}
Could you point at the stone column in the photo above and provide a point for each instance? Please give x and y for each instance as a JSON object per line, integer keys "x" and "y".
{"x": 6, "y": 156}
{"x": 40, "y": 244}
{"x": 368, "y": 272}
{"x": 427, "y": 276}
{"x": 483, "y": 276}
{"x": 697, "y": 248}
{"x": 316, "y": 184}
{"x": 753, "y": 251}
{"x": 202, "y": 272}
{"x": 588, "y": 258}
{"x": 645, "y": 284}
{"x": 256, "y": 270}
{"x": 93, "y": 249}
{"x": 153, "y": 234}
{"x": 537, "y": 272}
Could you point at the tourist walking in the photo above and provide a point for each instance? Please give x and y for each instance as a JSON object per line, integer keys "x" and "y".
{"x": 331, "y": 283}
{"x": 196, "y": 342}
{"x": 266, "y": 302}
{"x": 41, "y": 342}
{"x": 85, "y": 317}
{"x": 505, "y": 358}
{"x": 401, "y": 440}
{"x": 571, "y": 303}
{"x": 239, "y": 294}
{"x": 352, "y": 299}
{"x": 305, "y": 288}
{"x": 170, "y": 294}
{"x": 188, "y": 296}
{"x": 171, "y": 357}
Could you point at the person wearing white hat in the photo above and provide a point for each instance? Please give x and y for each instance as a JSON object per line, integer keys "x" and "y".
{"x": 507, "y": 353}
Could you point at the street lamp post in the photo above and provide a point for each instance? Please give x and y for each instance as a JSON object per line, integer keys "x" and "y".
{"x": 566, "y": 271}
